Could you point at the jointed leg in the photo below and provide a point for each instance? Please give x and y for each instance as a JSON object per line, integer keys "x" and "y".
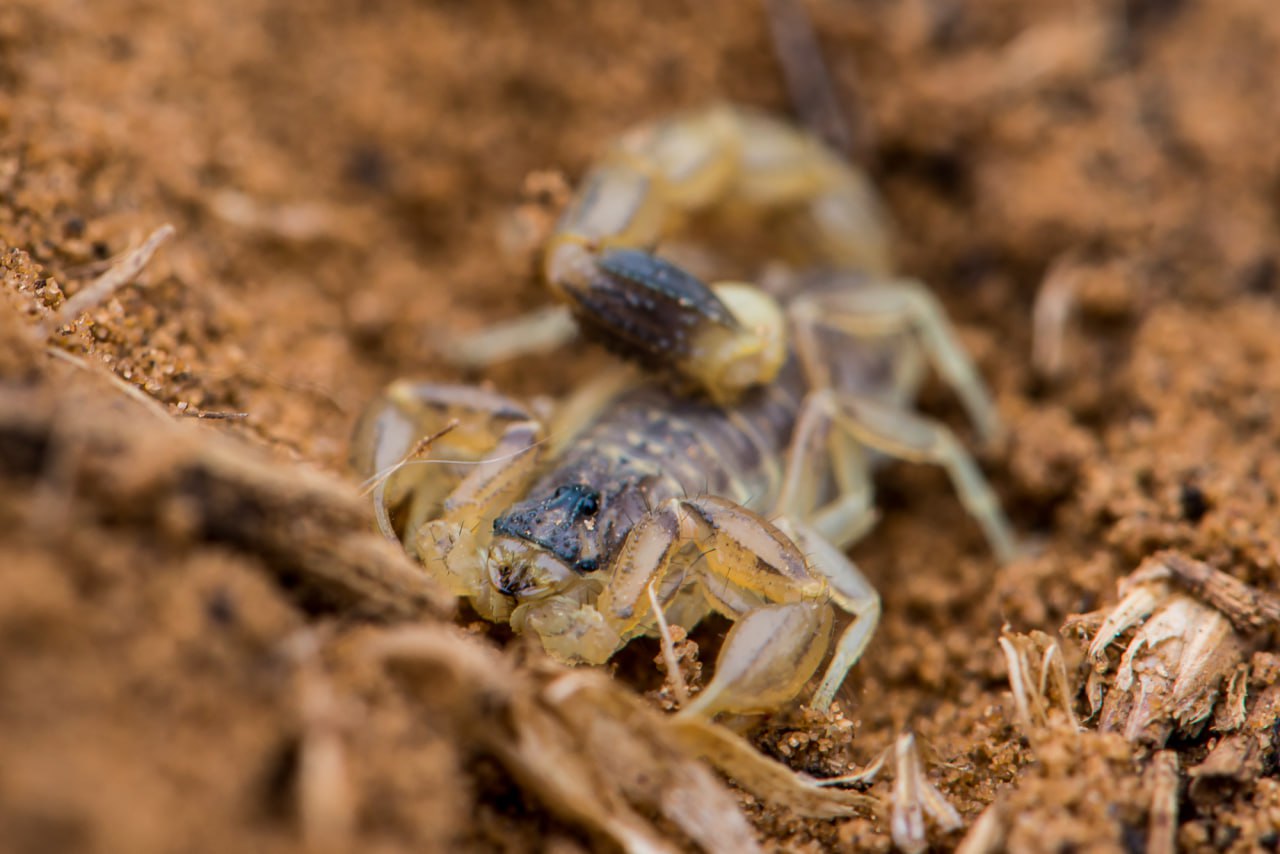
{"x": 535, "y": 333}
{"x": 834, "y": 421}
{"x": 851, "y": 590}
{"x": 833, "y": 427}
{"x": 908, "y": 436}
{"x": 467, "y": 422}
{"x": 818, "y": 441}
{"x": 748, "y": 569}
{"x": 818, "y": 444}
{"x": 877, "y": 308}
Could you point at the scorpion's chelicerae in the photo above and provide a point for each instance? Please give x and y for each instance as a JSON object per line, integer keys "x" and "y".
{"x": 739, "y": 490}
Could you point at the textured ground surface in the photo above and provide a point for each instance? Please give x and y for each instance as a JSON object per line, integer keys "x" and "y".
{"x": 339, "y": 175}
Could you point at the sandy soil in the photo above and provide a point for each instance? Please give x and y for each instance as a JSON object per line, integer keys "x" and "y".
{"x": 339, "y": 176}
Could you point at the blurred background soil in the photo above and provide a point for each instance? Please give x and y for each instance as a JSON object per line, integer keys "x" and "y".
{"x": 341, "y": 175}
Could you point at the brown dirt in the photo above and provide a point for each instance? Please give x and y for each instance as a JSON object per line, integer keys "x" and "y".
{"x": 338, "y": 175}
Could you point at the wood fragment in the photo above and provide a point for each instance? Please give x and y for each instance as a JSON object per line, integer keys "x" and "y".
{"x": 1248, "y": 608}
{"x": 129, "y": 390}
{"x": 310, "y": 529}
{"x": 1162, "y": 823}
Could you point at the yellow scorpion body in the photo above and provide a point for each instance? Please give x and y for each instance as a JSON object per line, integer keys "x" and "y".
{"x": 658, "y": 506}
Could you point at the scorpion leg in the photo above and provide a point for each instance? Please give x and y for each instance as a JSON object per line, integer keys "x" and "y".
{"x": 747, "y": 569}
{"x": 833, "y": 527}
{"x": 834, "y": 425}
{"x": 908, "y": 436}
{"x": 814, "y": 449}
{"x": 880, "y": 308}
{"x": 855, "y": 595}
{"x": 541, "y": 331}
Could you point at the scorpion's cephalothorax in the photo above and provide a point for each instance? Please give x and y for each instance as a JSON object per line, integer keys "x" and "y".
{"x": 577, "y": 525}
{"x": 563, "y": 524}
{"x": 576, "y": 518}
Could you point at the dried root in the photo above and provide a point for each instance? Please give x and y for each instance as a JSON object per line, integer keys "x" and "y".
{"x": 591, "y": 752}
{"x": 1162, "y": 823}
{"x": 1042, "y": 694}
{"x": 117, "y": 276}
{"x": 914, "y": 797}
{"x": 190, "y": 486}
{"x": 326, "y": 800}
{"x": 1187, "y": 648}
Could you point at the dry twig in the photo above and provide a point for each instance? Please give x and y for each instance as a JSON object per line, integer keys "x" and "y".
{"x": 1162, "y": 823}
{"x": 117, "y": 276}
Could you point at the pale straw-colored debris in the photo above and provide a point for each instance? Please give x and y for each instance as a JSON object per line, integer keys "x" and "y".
{"x": 289, "y": 221}
{"x": 1192, "y": 625}
{"x": 1038, "y": 680}
{"x": 326, "y": 798}
{"x": 1042, "y": 702}
{"x": 988, "y": 833}
{"x": 1043, "y": 697}
{"x": 595, "y": 754}
{"x": 761, "y": 776}
{"x": 1054, "y": 307}
{"x": 914, "y": 797}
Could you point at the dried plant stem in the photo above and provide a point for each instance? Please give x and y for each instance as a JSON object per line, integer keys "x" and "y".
{"x": 117, "y": 276}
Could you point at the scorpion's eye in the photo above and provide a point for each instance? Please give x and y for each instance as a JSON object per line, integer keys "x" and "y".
{"x": 589, "y": 505}
{"x": 587, "y": 564}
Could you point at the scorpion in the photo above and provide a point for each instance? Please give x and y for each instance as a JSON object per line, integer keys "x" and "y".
{"x": 731, "y": 478}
